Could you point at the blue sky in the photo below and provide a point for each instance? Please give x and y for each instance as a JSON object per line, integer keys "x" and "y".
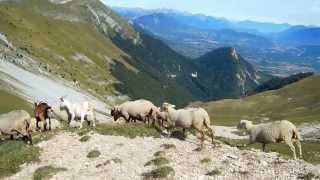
{"x": 292, "y": 11}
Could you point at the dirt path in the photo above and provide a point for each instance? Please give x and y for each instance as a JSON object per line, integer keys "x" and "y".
{"x": 65, "y": 150}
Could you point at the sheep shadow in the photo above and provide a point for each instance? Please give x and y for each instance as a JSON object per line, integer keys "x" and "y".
{"x": 178, "y": 135}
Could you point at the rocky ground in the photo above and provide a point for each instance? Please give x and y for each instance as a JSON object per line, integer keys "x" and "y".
{"x": 124, "y": 158}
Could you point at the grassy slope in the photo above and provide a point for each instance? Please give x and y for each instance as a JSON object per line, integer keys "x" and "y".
{"x": 36, "y": 27}
{"x": 303, "y": 107}
{"x": 310, "y": 149}
{"x": 154, "y": 61}
{"x": 298, "y": 102}
{"x": 54, "y": 42}
{"x": 11, "y": 102}
{"x": 15, "y": 153}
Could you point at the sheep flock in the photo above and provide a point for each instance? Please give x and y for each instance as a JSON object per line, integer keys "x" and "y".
{"x": 20, "y": 124}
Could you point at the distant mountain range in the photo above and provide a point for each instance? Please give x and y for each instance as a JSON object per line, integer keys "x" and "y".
{"x": 204, "y": 21}
{"x": 300, "y": 36}
{"x": 280, "y": 49}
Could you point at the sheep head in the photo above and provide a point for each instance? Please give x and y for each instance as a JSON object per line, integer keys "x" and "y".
{"x": 115, "y": 113}
{"x": 244, "y": 124}
{"x": 166, "y": 106}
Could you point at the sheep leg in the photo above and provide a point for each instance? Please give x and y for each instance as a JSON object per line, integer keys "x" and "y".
{"x": 292, "y": 148}
{"x": 184, "y": 133}
{"x": 202, "y": 138}
{"x": 72, "y": 117}
{"x": 127, "y": 117}
{"x": 299, "y": 148}
{"x": 37, "y": 125}
{"x": 169, "y": 132}
{"x": 49, "y": 123}
{"x": 92, "y": 115}
{"x": 82, "y": 120}
{"x": 45, "y": 125}
{"x": 263, "y": 147}
{"x": 211, "y": 134}
{"x": 93, "y": 119}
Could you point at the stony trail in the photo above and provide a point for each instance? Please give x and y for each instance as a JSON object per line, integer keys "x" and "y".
{"x": 65, "y": 150}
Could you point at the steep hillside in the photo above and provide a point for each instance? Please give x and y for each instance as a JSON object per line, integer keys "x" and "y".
{"x": 61, "y": 40}
{"x": 79, "y": 41}
{"x": 298, "y": 102}
{"x": 85, "y": 42}
{"x": 228, "y": 74}
{"x": 10, "y": 102}
{"x": 278, "y": 82}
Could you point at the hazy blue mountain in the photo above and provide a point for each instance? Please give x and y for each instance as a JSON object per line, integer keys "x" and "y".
{"x": 206, "y": 22}
{"x": 192, "y": 41}
{"x": 262, "y": 27}
{"x": 299, "y": 35}
{"x": 280, "y": 49}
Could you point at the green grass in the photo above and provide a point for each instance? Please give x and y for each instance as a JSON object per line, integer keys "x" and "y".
{"x": 85, "y": 130}
{"x": 168, "y": 146}
{"x": 161, "y": 172}
{"x": 46, "y": 172}
{"x": 127, "y": 130}
{"x": 10, "y": 102}
{"x": 309, "y": 176}
{"x": 159, "y": 153}
{"x": 114, "y": 160}
{"x": 214, "y": 172}
{"x": 93, "y": 154}
{"x": 310, "y": 149}
{"x": 15, "y": 153}
{"x": 159, "y": 161}
{"x": 297, "y": 102}
{"x": 205, "y": 160}
{"x": 84, "y": 139}
{"x": 43, "y": 136}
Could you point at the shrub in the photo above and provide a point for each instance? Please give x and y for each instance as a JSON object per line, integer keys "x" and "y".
{"x": 93, "y": 154}
{"x": 46, "y": 172}
{"x": 157, "y": 162}
{"x": 161, "y": 172}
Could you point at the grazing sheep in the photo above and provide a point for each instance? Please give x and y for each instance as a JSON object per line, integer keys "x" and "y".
{"x": 196, "y": 118}
{"x": 273, "y": 132}
{"x": 16, "y": 123}
{"x": 142, "y": 110}
{"x": 162, "y": 117}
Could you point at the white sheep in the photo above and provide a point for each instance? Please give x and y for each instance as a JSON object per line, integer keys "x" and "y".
{"x": 141, "y": 109}
{"x": 273, "y": 132}
{"x": 196, "y": 118}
